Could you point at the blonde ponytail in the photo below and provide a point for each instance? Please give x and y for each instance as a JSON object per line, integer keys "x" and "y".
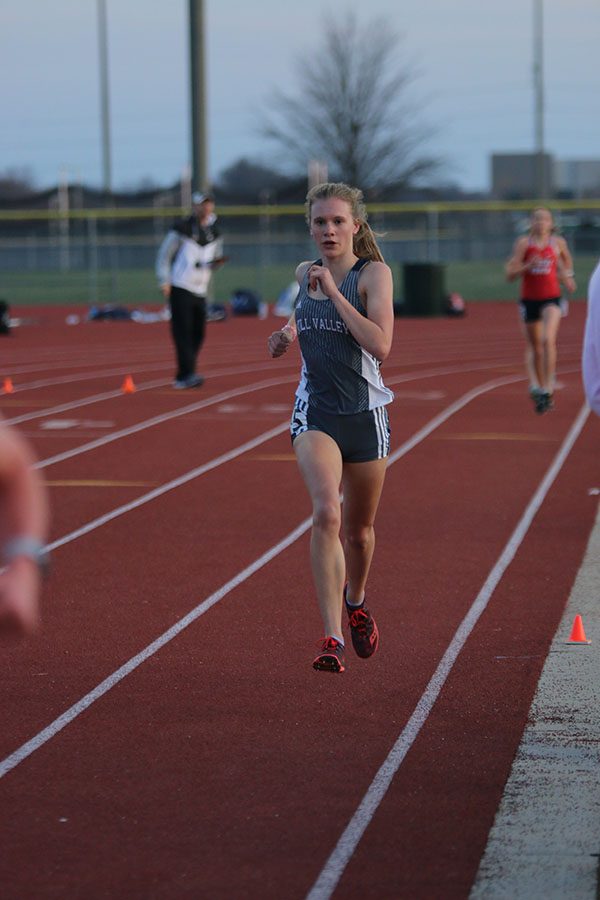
{"x": 364, "y": 244}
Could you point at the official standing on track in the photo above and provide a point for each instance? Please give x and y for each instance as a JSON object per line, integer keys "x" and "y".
{"x": 542, "y": 260}
{"x": 23, "y": 531}
{"x": 590, "y": 363}
{"x": 190, "y": 252}
{"x": 344, "y": 322}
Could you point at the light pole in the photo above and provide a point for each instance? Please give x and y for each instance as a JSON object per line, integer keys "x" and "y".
{"x": 198, "y": 96}
{"x": 538, "y": 84}
{"x": 105, "y": 128}
{"x": 104, "y": 97}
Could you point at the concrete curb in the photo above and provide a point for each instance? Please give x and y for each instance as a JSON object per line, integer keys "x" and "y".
{"x": 545, "y": 842}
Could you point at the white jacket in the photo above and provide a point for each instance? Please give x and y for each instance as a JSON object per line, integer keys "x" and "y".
{"x": 590, "y": 362}
{"x": 184, "y": 263}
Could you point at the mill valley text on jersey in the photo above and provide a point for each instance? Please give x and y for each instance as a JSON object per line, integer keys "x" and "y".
{"x": 338, "y": 375}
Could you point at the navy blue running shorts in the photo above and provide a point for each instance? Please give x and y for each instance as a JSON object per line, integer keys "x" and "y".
{"x": 532, "y": 310}
{"x": 361, "y": 437}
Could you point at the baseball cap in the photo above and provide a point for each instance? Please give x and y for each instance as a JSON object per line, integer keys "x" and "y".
{"x": 199, "y": 197}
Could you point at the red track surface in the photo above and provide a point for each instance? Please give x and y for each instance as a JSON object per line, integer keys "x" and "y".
{"x": 223, "y": 766}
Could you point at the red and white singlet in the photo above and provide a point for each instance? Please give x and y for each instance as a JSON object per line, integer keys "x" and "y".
{"x": 541, "y": 281}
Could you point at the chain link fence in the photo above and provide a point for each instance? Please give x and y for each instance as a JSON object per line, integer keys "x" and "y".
{"x": 92, "y": 256}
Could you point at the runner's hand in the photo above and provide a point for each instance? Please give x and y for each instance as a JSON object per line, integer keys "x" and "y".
{"x": 319, "y": 277}
{"x": 278, "y": 343}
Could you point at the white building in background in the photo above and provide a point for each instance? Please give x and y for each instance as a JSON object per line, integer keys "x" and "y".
{"x": 578, "y": 177}
{"x": 514, "y": 176}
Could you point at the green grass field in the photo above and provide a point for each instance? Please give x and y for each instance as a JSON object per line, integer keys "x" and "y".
{"x": 475, "y": 281}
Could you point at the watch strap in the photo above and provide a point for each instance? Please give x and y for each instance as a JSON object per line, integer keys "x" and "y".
{"x": 29, "y": 547}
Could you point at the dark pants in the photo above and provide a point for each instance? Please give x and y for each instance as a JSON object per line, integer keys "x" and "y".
{"x": 188, "y": 325}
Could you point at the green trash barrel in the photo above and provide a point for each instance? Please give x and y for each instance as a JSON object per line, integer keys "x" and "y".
{"x": 424, "y": 289}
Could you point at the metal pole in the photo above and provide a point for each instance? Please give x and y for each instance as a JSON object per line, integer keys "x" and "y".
{"x": 92, "y": 243}
{"x": 63, "y": 222}
{"x": 106, "y": 143}
{"x": 317, "y": 172}
{"x": 433, "y": 229}
{"x": 538, "y": 83}
{"x": 198, "y": 96}
{"x": 104, "y": 97}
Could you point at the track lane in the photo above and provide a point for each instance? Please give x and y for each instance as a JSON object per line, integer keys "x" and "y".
{"x": 253, "y": 846}
{"x": 227, "y": 771}
{"x": 344, "y": 850}
{"x": 142, "y": 459}
{"x": 213, "y": 526}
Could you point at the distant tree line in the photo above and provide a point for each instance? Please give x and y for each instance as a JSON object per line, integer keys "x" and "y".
{"x": 244, "y": 182}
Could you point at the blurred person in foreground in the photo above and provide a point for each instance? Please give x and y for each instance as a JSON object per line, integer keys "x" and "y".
{"x": 591, "y": 344}
{"x": 24, "y": 521}
{"x": 186, "y": 259}
{"x": 542, "y": 260}
{"x": 344, "y": 322}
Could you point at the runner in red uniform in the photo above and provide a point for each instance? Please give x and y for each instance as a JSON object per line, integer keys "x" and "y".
{"x": 542, "y": 260}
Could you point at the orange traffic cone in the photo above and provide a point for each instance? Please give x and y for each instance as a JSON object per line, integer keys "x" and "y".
{"x": 7, "y": 387}
{"x": 577, "y": 632}
{"x": 128, "y": 385}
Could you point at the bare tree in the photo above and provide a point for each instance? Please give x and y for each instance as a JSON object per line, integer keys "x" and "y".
{"x": 16, "y": 182}
{"x": 352, "y": 110}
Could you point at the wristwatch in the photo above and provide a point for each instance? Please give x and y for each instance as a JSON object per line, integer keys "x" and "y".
{"x": 29, "y": 547}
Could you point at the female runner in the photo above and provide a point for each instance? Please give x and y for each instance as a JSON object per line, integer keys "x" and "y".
{"x": 542, "y": 260}
{"x": 344, "y": 322}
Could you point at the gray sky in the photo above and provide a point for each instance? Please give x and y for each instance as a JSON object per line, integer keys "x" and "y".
{"x": 474, "y": 84}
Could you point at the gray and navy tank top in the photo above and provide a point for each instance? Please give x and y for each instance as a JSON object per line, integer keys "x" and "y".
{"x": 338, "y": 376}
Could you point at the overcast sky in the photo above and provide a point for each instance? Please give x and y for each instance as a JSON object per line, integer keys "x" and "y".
{"x": 474, "y": 86}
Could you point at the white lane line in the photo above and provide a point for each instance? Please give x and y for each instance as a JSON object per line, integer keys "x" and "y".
{"x": 158, "y": 420}
{"x": 169, "y": 486}
{"x": 70, "y": 714}
{"x": 350, "y": 838}
{"x": 140, "y": 366}
{"x": 144, "y": 386}
{"x": 97, "y": 375}
{"x": 449, "y": 411}
{"x": 85, "y": 401}
{"x": 149, "y": 423}
{"x": 51, "y": 730}
{"x": 109, "y": 395}
{"x": 255, "y": 442}
{"x": 52, "y": 366}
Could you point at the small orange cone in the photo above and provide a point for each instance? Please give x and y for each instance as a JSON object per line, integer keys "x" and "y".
{"x": 7, "y": 387}
{"x": 128, "y": 385}
{"x": 577, "y": 632}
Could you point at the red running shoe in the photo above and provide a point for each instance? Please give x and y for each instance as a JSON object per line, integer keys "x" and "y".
{"x": 331, "y": 658}
{"x": 364, "y": 631}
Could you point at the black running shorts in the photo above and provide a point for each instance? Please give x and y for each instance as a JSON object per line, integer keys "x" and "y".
{"x": 361, "y": 437}
{"x": 532, "y": 310}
